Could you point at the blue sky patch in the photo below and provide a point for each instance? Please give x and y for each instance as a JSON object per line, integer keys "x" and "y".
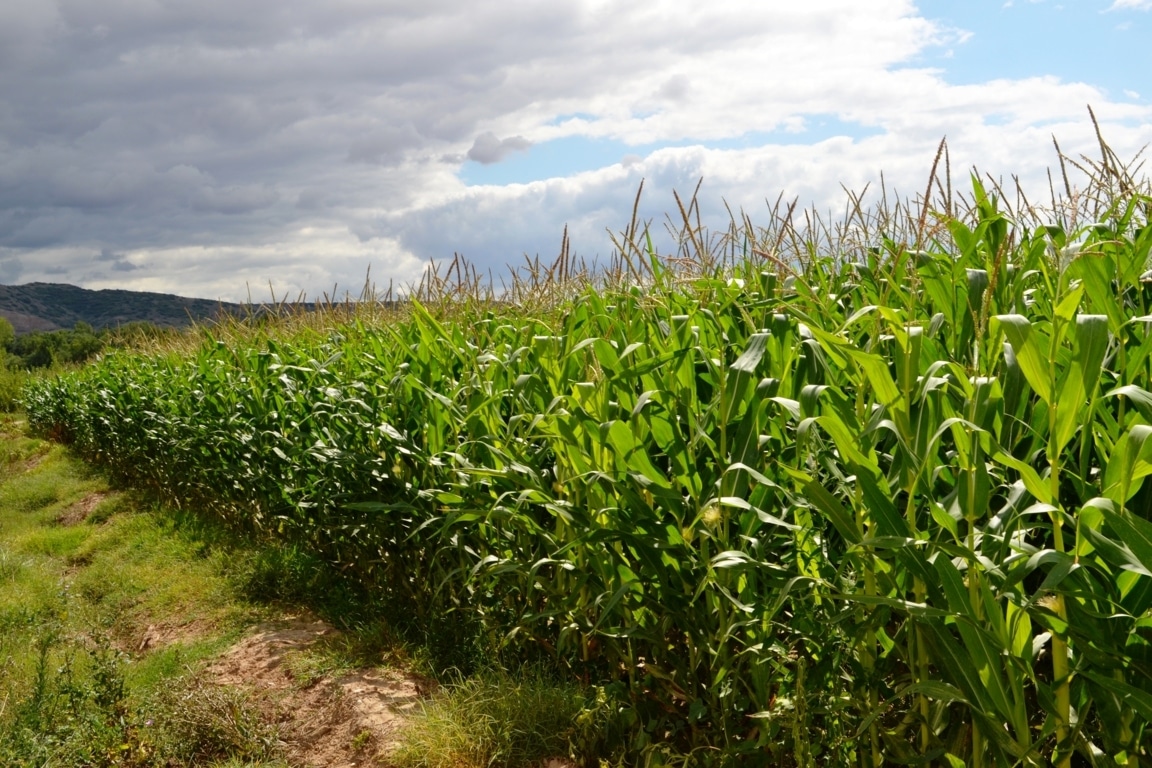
{"x": 1073, "y": 40}
{"x": 576, "y": 154}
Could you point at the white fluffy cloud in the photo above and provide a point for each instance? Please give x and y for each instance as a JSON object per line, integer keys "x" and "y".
{"x": 204, "y": 147}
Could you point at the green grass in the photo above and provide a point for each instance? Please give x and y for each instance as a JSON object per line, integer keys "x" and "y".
{"x": 74, "y": 600}
{"x": 32, "y": 493}
{"x": 496, "y": 719}
{"x": 11, "y": 566}
{"x": 53, "y": 543}
{"x": 125, "y": 566}
{"x": 153, "y": 671}
{"x": 12, "y": 381}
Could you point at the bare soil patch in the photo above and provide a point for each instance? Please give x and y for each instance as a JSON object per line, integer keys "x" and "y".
{"x": 350, "y": 720}
{"x": 31, "y": 463}
{"x": 78, "y": 512}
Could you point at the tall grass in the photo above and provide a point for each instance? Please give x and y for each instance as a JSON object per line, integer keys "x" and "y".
{"x": 494, "y": 719}
{"x": 809, "y": 492}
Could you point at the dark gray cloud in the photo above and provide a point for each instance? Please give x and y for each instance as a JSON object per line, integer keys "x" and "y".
{"x": 488, "y": 149}
{"x": 200, "y": 146}
{"x": 117, "y": 261}
{"x": 264, "y": 139}
{"x": 310, "y": 200}
{"x": 221, "y": 124}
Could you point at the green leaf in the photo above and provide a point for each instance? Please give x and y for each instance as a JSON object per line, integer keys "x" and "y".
{"x": 1097, "y": 272}
{"x": 829, "y": 506}
{"x": 753, "y": 353}
{"x": 1039, "y": 489}
{"x": 934, "y": 689}
{"x": 741, "y": 375}
{"x": 944, "y": 520}
{"x": 1115, "y": 552}
{"x": 1139, "y": 700}
{"x": 1080, "y": 378}
{"x": 876, "y": 370}
{"x": 1032, "y": 359}
{"x": 1136, "y": 534}
{"x": 1131, "y": 461}
{"x": 1136, "y": 395}
{"x": 1068, "y": 305}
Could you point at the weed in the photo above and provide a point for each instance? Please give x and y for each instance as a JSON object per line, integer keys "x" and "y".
{"x": 493, "y": 719}
{"x": 12, "y": 382}
{"x": 284, "y": 574}
{"x": 10, "y": 565}
{"x": 361, "y": 740}
{"x": 199, "y": 723}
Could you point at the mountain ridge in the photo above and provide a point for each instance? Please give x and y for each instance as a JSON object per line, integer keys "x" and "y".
{"x": 53, "y": 306}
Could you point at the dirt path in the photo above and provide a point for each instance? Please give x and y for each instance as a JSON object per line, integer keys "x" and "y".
{"x": 349, "y": 720}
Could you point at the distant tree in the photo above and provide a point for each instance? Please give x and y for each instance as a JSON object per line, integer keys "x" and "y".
{"x": 45, "y": 349}
{"x": 34, "y": 350}
{"x": 7, "y": 334}
{"x": 80, "y": 345}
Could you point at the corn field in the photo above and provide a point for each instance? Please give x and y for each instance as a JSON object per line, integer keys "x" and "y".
{"x": 864, "y": 493}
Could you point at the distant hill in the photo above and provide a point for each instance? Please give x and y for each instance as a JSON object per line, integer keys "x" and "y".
{"x": 51, "y": 306}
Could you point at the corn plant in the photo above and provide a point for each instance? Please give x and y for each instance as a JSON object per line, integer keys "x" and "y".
{"x": 861, "y": 493}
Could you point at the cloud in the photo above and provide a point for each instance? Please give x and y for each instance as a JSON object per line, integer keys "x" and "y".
{"x": 1133, "y": 5}
{"x": 11, "y": 268}
{"x": 674, "y": 88}
{"x": 212, "y": 145}
{"x": 116, "y": 261}
{"x": 488, "y": 149}
{"x": 310, "y": 200}
{"x": 495, "y": 227}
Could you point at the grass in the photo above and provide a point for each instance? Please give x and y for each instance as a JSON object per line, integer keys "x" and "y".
{"x": 493, "y": 718}
{"x": 73, "y": 603}
{"x": 12, "y": 381}
{"x": 198, "y": 724}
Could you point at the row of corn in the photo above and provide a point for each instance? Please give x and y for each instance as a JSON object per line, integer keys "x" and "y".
{"x": 877, "y": 508}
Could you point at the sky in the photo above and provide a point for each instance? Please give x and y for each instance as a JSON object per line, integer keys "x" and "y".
{"x": 237, "y": 150}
